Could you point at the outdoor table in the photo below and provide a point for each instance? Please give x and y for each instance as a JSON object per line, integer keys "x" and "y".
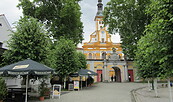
{"x": 26, "y": 68}
{"x": 16, "y": 94}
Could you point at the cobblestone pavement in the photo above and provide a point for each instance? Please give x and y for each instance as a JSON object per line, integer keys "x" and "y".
{"x": 146, "y": 95}
{"x": 101, "y": 92}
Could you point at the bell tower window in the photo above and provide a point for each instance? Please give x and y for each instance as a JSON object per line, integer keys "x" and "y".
{"x": 100, "y": 22}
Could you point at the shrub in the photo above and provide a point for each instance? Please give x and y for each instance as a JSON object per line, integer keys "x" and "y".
{"x": 3, "y": 89}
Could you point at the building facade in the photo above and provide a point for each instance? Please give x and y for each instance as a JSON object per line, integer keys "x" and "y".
{"x": 104, "y": 56}
{"x": 1, "y": 52}
{"x": 5, "y": 30}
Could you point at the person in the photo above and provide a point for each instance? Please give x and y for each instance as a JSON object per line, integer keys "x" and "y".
{"x": 112, "y": 78}
{"x": 129, "y": 78}
{"x": 171, "y": 84}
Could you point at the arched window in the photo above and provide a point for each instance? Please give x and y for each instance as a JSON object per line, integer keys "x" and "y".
{"x": 100, "y": 22}
{"x": 90, "y": 56}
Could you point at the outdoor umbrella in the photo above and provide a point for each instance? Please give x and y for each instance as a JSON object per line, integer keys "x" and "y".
{"x": 26, "y": 67}
{"x": 83, "y": 72}
{"x": 86, "y": 72}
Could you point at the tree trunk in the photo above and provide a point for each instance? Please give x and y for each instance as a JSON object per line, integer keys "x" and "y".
{"x": 155, "y": 87}
{"x": 152, "y": 84}
{"x": 64, "y": 82}
{"x": 81, "y": 81}
{"x": 170, "y": 93}
{"x": 149, "y": 86}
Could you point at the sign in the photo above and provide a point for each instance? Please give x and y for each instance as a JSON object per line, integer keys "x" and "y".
{"x": 56, "y": 90}
{"x": 21, "y": 66}
{"x": 70, "y": 87}
{"x": 76, "y": 85}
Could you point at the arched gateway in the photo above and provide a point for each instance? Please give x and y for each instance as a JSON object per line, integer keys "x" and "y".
{"x": 117, "y": 76}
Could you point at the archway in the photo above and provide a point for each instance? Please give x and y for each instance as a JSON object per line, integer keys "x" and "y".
{"x": 117, "y": 76}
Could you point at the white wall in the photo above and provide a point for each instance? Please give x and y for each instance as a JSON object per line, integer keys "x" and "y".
{"x": 5, "y": 30}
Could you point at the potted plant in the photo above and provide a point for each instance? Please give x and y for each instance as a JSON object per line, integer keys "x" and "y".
{"x": 3, "y": 90}
{"x": 42, "y": 90}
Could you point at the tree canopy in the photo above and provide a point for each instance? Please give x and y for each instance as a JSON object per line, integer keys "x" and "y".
{"x": 157, "y": 44}
{"x": 63, "y": 57}
{"x": 162, "y": 24}
{"x": 146, "y": 58}
{"x": 128, "y": 18}
{"x": 29, "y": 40}
{"x": 82, "y": 62}
{"x": 62, "y": 17}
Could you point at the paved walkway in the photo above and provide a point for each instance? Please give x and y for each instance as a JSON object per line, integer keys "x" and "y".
{"x": 101, "y": 92}
{"x": 146, "y": 95}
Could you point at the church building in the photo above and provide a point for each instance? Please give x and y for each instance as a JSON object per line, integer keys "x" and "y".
{"x": 105, "y": 57}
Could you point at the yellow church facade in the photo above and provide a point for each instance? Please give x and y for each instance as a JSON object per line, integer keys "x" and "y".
{"x": 105, "y": 57}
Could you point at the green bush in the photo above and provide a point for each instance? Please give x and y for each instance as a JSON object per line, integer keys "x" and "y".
{"x": 43, "y": 89}
{"x": 3, "y": 89}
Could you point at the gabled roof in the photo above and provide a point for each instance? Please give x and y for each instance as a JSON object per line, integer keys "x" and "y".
{"x": 5, "y": 19}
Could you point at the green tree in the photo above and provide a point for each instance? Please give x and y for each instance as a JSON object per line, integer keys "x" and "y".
{"x": 62, "y": 17}
{"x": 82, "y": 63}
{"x": 161, "y": 25}
{"x": 146, "y": 57}
{"x": 63, "y": 58}
{"x": 128, "y": 18}
{"x": 29, "y": 40}
{"x": 156, "y": 45}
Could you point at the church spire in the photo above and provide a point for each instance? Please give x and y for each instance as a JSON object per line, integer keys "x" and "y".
{"x": 100, "y": 8}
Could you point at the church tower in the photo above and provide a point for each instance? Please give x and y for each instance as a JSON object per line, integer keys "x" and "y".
{"x": 102, "y": 34}
{"x": 103, "y": 56}
{"x": 100, "y": 40}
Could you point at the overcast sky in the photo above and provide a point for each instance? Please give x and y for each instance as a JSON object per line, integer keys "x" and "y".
{"x": 88, "y": 8}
